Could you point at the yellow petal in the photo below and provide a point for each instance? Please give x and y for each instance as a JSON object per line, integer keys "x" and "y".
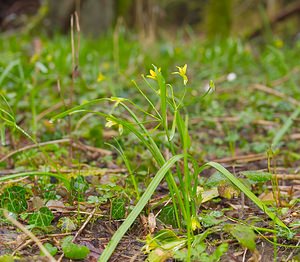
{"x": 185, "y": 79}
{"x": 100, "y": 77}
{"x": 184, "y": 68}
{"x": 121, "y": 129}
{"x": 152, "y": 73}
{"x": 34, "y": 58}
{"x": 110, "y": 122}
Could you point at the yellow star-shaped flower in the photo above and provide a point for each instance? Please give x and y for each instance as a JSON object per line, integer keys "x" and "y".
{"x": 182, "y": 73}
{"x": 100, "y": 77}
{"x": 153, "y": 74}
{"x": 111, "y": 123}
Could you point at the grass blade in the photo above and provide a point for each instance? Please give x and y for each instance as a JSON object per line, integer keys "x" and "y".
{"x": 245, "y": 190}
{"x": 163, "y": 97}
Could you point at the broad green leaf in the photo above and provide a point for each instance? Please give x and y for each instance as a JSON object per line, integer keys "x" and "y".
{"x": 201, "y": 237}
{"x": 210, "y": 220}
{"x": 198, "y": 249}
{"x": 78, "y": 187}
{"x": 7, "y": 258}
{"x": 199, "y": 253}
{"x": 166, "y": 237}
{"x": 66, "y": 224}
{"x": 73, "y": 251}
{"x": 227, "y": 190}
{"x": 51, "y": 249}
{"x": 220, "y": 250}
{"x": 208, "y": 194}
{"x": 214, "y": 180}
{"x": 13, "y": 199}
{"x": 159, "y": 255}
{"x": 41, "y": 218}
{"x": 257, "y": 176}
{"x": 118, "y": 208}
{"x": 244, "y": 234}
{"x": 163, "y": 239}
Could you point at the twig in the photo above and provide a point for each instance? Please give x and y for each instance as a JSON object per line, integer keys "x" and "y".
{"x": 293, "y": 251}
{"x": 75, "y": 72}
{"x": 22, "y": 246}
{"x": 244, "y": 255}
{"x": 99, "y": 171}
{"x": 242, "y": 159}
{"x": 84, "y": 224}
{"x": 59, "y": 141}
{"x": 295, "y": 136}
{"x": 8, "y": 172}
{"x": 287, "y": 176}
{"x": 47, "y": 237}
{"x": 13, "y": 181}
{"x": 51, "y": 109}
{"x": 233, "y": 119}
{"x": 30, "y": 235}
{"x": 285, "y": 12}
{"x": 78, "y": 145}
{"x": 274, "y": 92}
{"x": 91, "y": 148}
{"x": 80, "y": 230}
{"x": 286, "y": 77}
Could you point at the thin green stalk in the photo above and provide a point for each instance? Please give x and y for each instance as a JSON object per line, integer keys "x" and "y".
{"x": 163, "y": 97}
{"x": 148, "y": 100}
{"x": 33, "y": 112}
{"x": 187, "y": 183}
{"x": 275, "y": 254}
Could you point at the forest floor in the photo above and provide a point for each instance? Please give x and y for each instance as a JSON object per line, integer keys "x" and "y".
{"x": 81, "y": 143}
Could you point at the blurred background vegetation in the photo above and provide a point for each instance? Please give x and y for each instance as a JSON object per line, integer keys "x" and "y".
{"x": 154, "y": 18}
{"x": 121, "y": 39}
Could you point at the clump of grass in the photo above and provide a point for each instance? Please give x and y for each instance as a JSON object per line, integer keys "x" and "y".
{"x": 172, "y": 122}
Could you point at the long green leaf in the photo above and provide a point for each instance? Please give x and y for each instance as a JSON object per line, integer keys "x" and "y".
{"x": 137, "y": 209}
{"x": 245, "y": 190}
{"x": 163, "y": 96}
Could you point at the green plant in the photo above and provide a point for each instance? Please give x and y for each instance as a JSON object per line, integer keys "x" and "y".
{"x": 73, "y": 251}
{"x": 41, "y": 218}
{"x": 184, "y": 193}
